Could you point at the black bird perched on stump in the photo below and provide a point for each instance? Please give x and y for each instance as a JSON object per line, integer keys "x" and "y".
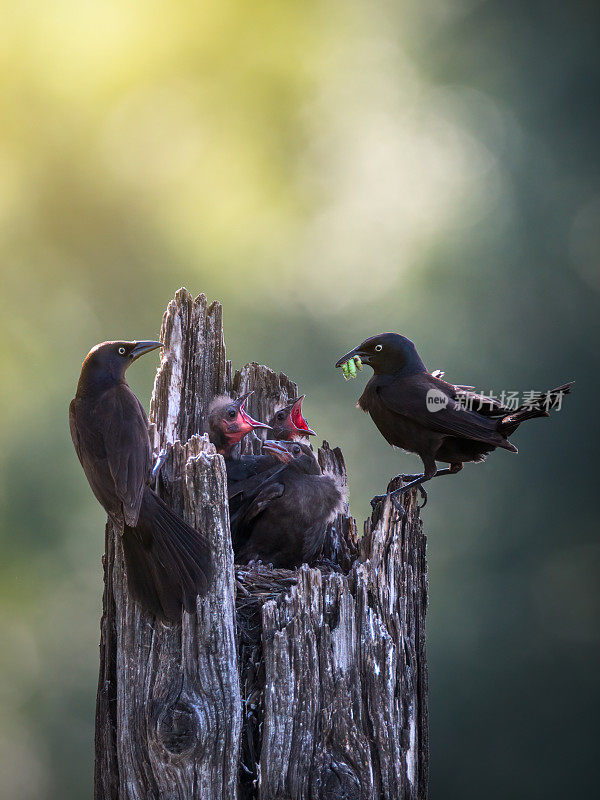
{"x": 425, "y": 415}
{"x": 168, "y": 562}
{"x": 285, "y": 523}
{"x": 288, "y": 423}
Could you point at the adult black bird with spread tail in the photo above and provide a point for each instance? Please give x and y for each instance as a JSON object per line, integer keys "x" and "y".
{"x": 424, "y": 414}
{"x": 286, "y": 520}
{"x": 168, "y": 563}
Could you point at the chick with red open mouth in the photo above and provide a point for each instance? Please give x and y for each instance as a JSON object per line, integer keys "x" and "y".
{"x": 229, "y": 422}
{"x": 289, "y": 424}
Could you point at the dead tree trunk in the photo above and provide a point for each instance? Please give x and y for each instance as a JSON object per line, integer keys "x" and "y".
{"x": 286, "y": 685}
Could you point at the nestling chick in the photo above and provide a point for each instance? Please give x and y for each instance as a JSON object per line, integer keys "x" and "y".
{"x": 285, "y": 523}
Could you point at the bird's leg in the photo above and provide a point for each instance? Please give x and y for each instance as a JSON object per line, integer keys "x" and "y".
{"x": 429, "y": 471}
{"x": 418, "y": 480}
{"x": 451, "y": 470}
{"x": 415, "y": 481}
{"x": 423, "y": 493}
{"x": 162, "y": 457}
{"x": 418, "y": 476}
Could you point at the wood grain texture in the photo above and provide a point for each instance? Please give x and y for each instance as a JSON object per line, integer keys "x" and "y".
{"x": 346, "y": 677}
{"x": 193, "y": 367}
{"x": 285, "y": 685}
{"x": 341, "y": 540}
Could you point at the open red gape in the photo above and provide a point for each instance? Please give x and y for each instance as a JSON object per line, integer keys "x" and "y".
{"x": 248, "y": 420}
{"x": 298, "y": 420}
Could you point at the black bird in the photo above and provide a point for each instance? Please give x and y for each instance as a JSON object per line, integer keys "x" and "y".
{"x": 285, "y": 523}
{"x": 288, "y": 423}
{"x": 428, "y": 416}
{"x": 228, "y": 423}
{"x": 168, "y": 562}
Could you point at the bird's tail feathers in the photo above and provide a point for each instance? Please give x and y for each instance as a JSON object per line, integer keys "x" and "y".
{"x": 168, "y": 562}
{"x": 538, "y": 407}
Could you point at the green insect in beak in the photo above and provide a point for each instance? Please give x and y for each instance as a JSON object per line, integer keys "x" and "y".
{"x": 350, "y": 367}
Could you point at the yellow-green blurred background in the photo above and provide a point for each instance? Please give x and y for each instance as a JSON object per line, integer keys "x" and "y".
{"x": 329, "y": 170}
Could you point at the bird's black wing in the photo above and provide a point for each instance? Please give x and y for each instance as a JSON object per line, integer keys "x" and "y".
{"x": 439, "y": 373}
{"x": 473, "y": 401}
{"x": 127, "y": 447}
{"x": 486, "y": 406}
{"x": 271, "y": 491}
{"x": 407, "y": 397}
{"x": 245, "y": 489}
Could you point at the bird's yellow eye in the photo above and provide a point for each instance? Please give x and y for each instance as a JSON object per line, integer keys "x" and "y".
{"x": 378, "y": 347}
{"x": 122, "y": 351}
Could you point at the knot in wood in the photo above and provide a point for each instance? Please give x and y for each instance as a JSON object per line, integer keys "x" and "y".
{"x": 338, "y": 781}
{"x": 180, "y": 728}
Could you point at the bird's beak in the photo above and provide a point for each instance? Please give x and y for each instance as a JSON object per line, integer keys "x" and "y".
{"x": 364, "y": 357}
{"x": 253, "y": 423}
{"x": 277, "y": 450}
{"x": 141, "y": 348}
{"x": 241, "y": 401}
{"x": 297, "y": 419}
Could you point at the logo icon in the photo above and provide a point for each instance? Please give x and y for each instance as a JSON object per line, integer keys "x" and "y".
{"x": 436, "y": 400}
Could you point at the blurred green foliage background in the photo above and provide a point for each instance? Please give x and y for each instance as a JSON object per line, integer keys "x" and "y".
{"x": 329, "y": 170}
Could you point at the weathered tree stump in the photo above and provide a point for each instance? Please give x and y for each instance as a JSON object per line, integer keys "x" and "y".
{"x": 285, "y": 685}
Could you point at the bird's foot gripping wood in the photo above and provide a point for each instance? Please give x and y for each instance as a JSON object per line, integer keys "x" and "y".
{"x": 160, "y": 460}
{"x": 407, "y": 478}
{"x": 379, "y": 498}
{"x": 397, "y": 494}
{"x": 415, "y": 482}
